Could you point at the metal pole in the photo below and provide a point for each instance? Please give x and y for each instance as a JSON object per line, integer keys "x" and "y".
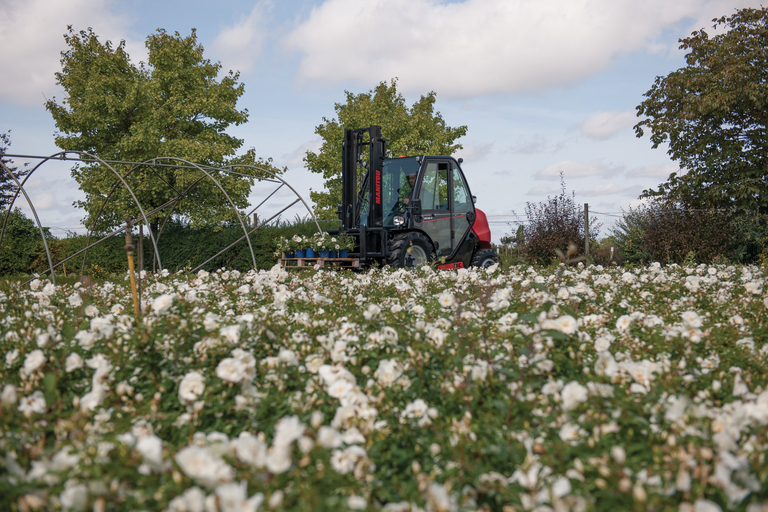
{"x": 129, "y": 250}
{"x": 140, "y": 247}
{"x": 586, "y": 232}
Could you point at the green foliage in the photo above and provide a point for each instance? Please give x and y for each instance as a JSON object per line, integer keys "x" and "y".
{"x": 21, "y": 244}
{"x": 173, "y": 106}
{"x": 671, "y": 233}
{"x": 629, "y": 234}
{"x": 555, "y": 225}
{"x": 8, "y": 186}
{"x": 711, "y": 114}
{"x": 180, "y": 247}
{"x": 417, "y": 130}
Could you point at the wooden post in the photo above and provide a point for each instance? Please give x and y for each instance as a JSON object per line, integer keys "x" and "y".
{"x": 586, "y": 232}
{"x": 255, "y": 220}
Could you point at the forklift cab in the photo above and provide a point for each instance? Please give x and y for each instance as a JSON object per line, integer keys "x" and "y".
{"x": 439, "y": 203}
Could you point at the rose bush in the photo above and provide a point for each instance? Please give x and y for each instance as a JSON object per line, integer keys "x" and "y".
{"x": 529, "y": 389}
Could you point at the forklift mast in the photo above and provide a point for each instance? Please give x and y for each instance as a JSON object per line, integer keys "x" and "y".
{"x": 352, "y": 156}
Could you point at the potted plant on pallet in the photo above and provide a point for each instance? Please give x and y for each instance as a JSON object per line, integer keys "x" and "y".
{"x": 284, "y": 248}
{"x": 322, "y": 244}
{"x": 299, "y": 245}
{"x": 344, "y": 244}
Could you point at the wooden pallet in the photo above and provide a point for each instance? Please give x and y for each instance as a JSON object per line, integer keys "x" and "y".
{"x": 322, "y": 262}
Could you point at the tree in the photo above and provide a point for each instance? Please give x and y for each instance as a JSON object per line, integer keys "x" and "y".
{"x": 418, "y": 130}
{"x": 172, "y": 106}
{"x": 713, "y": 113}
{"x": 8, "y": 186}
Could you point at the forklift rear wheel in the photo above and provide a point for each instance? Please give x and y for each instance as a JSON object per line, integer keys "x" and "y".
{"x": 409, "y": 250}
{"x": 484, "y": 258}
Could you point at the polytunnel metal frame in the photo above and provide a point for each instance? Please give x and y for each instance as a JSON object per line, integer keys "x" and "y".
{"x": 121, "y": 180}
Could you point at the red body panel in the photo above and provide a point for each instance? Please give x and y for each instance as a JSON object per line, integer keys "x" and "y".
{"x": 481, "y": 229}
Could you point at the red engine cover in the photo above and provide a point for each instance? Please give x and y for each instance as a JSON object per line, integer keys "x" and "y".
{"x": 481, "y": 229}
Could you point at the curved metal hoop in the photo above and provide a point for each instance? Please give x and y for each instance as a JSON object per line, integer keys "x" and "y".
{"x": 229, "y": 199}
{"x": 34, "y": 212}
{"x": 121, "y": 180}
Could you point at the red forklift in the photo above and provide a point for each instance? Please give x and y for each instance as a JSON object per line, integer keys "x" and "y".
{"x": 410, "y": 211}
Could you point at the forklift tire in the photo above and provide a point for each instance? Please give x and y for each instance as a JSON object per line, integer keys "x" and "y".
{"x": 484, "y": 258}
{"x": 409, "y": 250}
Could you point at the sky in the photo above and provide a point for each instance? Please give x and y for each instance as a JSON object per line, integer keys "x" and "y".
{"x": 545, "y": 87}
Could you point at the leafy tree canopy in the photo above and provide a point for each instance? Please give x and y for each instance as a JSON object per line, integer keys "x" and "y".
{"x": 713, "y": 113}
{"x": 173, "y": 106}
{"x": 417, "y": 130}
{"x": 8, "y": 185}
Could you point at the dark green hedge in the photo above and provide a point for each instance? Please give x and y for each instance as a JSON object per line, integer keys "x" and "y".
{"x": 180, "y": 247}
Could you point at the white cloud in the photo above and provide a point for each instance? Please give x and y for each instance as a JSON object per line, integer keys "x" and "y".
{"x": 295, "y": 159}
{"x": 604, "y": 125}
{"x": 541, "y": 191}
{"x": 240, "y": 45}
{"x": 474, "y": 152}
{"x": 536, "y": 144}
{"x": 478, "y": 47}
{"x": 605, "y": 189}
{"x": 31, "y": 38}
{"x": 572, "y": 169}
{"x": 654, "y": 171}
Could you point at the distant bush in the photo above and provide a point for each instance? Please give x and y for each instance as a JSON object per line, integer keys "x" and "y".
{"x": 21, "y": 244}
{"x": 670, "y": 233}
{"x": 554, "y": 225}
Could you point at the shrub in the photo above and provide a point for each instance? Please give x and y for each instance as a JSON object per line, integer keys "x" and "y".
{"x": 180, "y": 247}
{"x": 21, "y": 244}
{"x": 554, "y": 225}
{"x": 670, "y": 233}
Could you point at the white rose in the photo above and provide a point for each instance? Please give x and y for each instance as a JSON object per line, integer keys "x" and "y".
{"x": 8, "y": 396}
{"x": 199, "y": 464}
{"x": 231, "y": 370}
{"x": 11, "y": 356}
{"x": 35, "y": 403}
{"x": 191, "y": 388}
{"x": 151, "y": 450}
{"x": 573, "y": 394}
{"x": 73, "y": 362}
{"x": 74, "y": 497}
{"x": 163, "y": 303}
{"x": 33, "y": 361}
{"x": 250, "y": 449}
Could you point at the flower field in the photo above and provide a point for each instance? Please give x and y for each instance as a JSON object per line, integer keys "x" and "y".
{"x": 479, "y": 389}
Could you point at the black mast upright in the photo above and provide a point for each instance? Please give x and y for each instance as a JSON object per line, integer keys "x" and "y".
{"x": 377, "y": 149}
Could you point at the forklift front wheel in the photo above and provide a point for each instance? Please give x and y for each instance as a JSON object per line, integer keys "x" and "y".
{"x": 409, "y": 250}
{"x": 484, "y": 258}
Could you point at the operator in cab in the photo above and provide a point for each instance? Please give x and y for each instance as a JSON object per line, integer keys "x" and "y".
{"x": 407, "y": 188}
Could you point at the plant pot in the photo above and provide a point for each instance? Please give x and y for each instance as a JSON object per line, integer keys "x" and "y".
{"x": 310, "y": 252}
{"x": 334, "y": 254}
{"x": 300, "y": 253}
{"x": 325, "y": 253}
{"x": 289, "y": 254}
{"x": 343, "y": 253}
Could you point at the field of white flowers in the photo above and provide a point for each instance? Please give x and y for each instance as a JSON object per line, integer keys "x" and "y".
{"x": 479, "y": 389}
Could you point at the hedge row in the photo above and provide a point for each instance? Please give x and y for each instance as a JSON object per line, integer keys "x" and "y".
{"x": 22, "y": 250}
